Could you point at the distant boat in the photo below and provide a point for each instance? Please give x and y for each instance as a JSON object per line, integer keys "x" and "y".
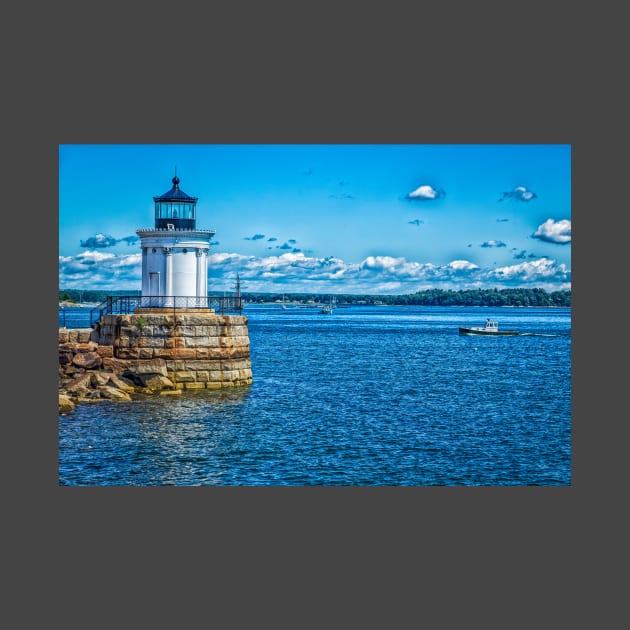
{"x": 327, "y": 309}
{"x": 491, "y": 328}
{"x": 284, "y": 306}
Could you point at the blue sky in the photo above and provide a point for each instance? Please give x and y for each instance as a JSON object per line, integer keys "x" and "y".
{"x": 362, "y": 219}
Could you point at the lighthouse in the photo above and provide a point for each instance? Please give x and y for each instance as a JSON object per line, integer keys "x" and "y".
{"x": 171, "y": 337}
{"x": 175, "y": 253}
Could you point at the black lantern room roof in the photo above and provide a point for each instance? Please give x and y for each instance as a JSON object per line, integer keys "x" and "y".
{"x": 175, "y": 193}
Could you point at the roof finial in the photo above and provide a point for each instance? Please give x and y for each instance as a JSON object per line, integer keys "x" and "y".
{"x": 175, "y": 179}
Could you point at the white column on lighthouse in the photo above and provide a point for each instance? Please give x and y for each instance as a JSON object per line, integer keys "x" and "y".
{"x": 199, "y": 270}
{"x": 205, "y": 272}
{"x": 145, "y": 272}
{"x": 169, "y": 275}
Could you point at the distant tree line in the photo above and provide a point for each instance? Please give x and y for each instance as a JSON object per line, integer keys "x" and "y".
{"x": 78, "y": 296}
{"x": 429, "y": 297}
{"x": 432, "y": 297}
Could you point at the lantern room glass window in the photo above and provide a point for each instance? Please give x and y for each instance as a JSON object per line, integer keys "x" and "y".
{"x": 169, "y": 210}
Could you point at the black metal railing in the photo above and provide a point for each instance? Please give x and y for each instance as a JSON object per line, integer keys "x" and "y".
{"x": 126, "y": 304}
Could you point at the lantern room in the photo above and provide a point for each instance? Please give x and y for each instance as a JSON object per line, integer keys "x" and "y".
{"x": 175, "y": 209}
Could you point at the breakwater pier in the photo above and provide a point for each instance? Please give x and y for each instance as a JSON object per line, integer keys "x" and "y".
{"x": 153, "y": 351}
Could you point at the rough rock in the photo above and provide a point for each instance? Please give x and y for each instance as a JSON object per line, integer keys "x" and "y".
{"x": 87, "y": 360}
{"x": 113, "y": 393}
{"x": 157, "y": 382}
{"x": 80, "y": 385}
{"x": 65, "y": 404}
{"x": 121, "y": 383}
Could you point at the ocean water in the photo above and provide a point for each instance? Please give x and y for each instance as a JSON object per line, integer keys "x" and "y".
{"x": 368, "y": 396}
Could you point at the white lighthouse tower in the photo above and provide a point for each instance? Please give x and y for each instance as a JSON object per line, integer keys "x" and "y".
{"x": 175, "y": 253}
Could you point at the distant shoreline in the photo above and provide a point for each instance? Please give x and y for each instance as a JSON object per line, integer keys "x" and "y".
{"x": 517, "y": 297}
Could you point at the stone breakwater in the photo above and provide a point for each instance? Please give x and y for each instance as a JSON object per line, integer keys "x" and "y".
{"x": 152, "y": 352}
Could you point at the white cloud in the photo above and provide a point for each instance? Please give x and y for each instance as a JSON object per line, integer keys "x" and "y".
{"x": 425, "y": 193}
{"x": 461, "y": 265}
{"x": 520, "y": 193}
{"x": 541, "y": 272}
{"x": 296, "y": 272}
{"x": 100, "y": 271}
{"x": 525, "y": 194}
{"x": 554, "y": 231}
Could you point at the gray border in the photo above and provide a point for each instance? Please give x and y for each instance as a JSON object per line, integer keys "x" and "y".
{"x": 371, "y": 76}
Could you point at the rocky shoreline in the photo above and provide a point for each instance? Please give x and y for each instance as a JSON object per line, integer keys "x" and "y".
{"x": 88, "y": 373}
